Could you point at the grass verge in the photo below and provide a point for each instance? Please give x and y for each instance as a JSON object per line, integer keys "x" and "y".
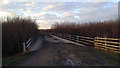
{"x": 12, "y": 60}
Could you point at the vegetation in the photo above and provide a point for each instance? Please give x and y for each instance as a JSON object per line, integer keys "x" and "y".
{"x": 15, "y": 31}
{"x": 91, "y": 29}
{"x": 13, "y": 59}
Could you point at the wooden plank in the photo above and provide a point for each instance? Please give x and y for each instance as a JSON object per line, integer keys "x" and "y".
{"x": 107, "y": 41}
{"x": 108, "y": 38}
{"x": 87, "y": 40}
{"x": 112, "y": 39}
{"x": 101, "y": 45}
{"x": 109, "y": 45}
{"x": 113, "y": 48}
{"x": 113, "y": 45}
{"x": 83, "y": 42}
{"x": 86, "y": 37}
{"x": 99, "y": 40}
{"x": 109, "y": 50}
{"x": 113, "y": 42}
{"x": 73, "y": 40}
{"x": 117, "y": 51}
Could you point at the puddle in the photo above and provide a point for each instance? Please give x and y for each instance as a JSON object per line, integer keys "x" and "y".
{"x": 36, "y": 45}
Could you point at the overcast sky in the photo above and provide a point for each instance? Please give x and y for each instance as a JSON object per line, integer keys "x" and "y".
{"x": 47, "y": 13}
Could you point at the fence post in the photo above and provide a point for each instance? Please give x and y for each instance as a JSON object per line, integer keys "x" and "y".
{"x": 60, "y": 35}
{"x": 69, "y": 37}
{"x": 96, "y": 42}
{"x": 77, "y": 39}
{"x": 24, "y": 47}
{"x": 105, "y": 44}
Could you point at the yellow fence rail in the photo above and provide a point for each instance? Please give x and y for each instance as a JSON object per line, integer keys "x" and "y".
{"x": 108, "y": 44}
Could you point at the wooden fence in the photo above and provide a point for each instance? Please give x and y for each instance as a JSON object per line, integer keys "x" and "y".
{"x": 108, "y": 44}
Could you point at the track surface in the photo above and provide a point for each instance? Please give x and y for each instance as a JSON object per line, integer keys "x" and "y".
{"x": 49, "y": 51}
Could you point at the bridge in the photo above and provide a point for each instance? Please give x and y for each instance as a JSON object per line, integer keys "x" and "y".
{"x": 57, "y": 49}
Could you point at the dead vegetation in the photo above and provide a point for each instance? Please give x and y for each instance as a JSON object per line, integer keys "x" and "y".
{"x": 91, "y": 29}
{"x": 15, "y": 31}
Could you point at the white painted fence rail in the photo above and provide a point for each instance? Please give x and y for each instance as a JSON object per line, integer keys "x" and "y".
{"x": 27, "y": 45}
{"x": 77, "y": 39}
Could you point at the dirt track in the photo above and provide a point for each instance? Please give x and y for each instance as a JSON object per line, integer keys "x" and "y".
{"x": 53, "y": 52}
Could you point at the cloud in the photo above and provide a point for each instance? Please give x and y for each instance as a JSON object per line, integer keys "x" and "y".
{"x": 45, "y": 24}
{"x": 67, "y": 14}
{"x": 5, "y": 13}
{"x": 21, "y": 9}
{"x": 46, "y": 13}
{"x": 5, "y": 2}
{"x": 48, "y": 7}
{"x": 42, "y": 13}
{"x": 30, "y": 4}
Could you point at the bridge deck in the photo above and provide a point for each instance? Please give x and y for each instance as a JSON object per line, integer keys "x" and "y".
{"x": 51, "y": 51}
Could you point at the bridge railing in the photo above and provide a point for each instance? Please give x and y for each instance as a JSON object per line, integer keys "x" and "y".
{"x": 27, "y": 45}
{"x": 108, "y": 44}
{"x": 77, "y": 39}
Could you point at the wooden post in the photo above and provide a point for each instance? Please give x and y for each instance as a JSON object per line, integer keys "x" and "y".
{"x": 77, "y": 39}
{"x": 69, "y": 37}
{"x": 105, "y": 44}
{"x": 60, "y": 35}
{"x": 96, "y": 42}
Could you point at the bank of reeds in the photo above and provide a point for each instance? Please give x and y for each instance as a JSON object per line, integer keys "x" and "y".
{"x": 15, "y": 31}
{"x": 91, "y": 29}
